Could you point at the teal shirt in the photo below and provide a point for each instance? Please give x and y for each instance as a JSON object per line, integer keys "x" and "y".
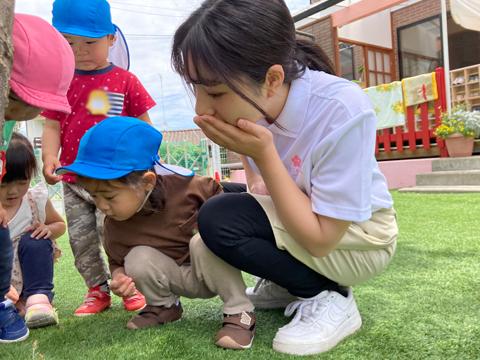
{"x": 7, "y": 133}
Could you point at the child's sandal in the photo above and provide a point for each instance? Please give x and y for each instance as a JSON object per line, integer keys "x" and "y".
{"x": 237, "y": 331}
{"x": 155, "y": 315}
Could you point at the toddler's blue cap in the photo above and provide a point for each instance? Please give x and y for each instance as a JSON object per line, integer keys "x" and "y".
{"x": 87, "y": 18}
{"x": 117, "y": 146}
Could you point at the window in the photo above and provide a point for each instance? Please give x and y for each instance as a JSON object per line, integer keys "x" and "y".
{"x": 346, "y": 61}
{"x": 420, "y": 47}
{"x": 379, "y": 66}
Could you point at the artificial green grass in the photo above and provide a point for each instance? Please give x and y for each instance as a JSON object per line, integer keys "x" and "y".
{"x": 425, "y": 305}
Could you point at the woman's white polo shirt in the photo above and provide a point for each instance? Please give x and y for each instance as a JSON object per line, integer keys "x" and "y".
{"x": 325, "y": 136}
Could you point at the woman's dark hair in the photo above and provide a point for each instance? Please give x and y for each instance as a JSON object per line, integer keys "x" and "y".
{"x": 20, "y": 160}
{"x": 156, "y": 200}
{"x": 235, "y": 42}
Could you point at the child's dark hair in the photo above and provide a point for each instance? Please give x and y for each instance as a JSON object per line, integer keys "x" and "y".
{"x": 20, "y": 160}
{"x": 235, "y": 42}
{"x": 156, "y": 200}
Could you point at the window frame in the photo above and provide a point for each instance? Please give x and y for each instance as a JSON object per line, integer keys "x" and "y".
{"x": 399, "y": 42}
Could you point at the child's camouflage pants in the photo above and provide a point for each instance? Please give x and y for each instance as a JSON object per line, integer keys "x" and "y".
{"x": 85, "y": 229}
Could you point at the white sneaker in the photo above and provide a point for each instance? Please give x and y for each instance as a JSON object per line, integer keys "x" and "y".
{"x": 268, "y": 295}
{"x": 320, "y": 323}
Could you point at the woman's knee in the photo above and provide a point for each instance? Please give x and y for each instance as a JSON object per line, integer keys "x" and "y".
{"x": 226, "y": 220}
{"x": 213, "y": 210}
{"x": 213, "y": 216}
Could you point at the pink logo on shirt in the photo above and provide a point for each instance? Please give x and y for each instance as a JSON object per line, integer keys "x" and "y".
{"x": 295, "y": 170}
{"x": 296, "y": 161}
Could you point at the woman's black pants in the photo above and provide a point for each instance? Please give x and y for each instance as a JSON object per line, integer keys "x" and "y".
{"x": 235, "y": 227}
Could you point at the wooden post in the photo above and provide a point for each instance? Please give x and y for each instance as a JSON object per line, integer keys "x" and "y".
{"x": 425, "y": 126}
{"x": 6, "y": 54}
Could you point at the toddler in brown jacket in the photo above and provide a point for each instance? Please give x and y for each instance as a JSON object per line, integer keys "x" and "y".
{"x": 150, "y": 233}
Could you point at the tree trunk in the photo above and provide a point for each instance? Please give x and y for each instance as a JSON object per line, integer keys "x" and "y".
{"x": 6, "y": 54}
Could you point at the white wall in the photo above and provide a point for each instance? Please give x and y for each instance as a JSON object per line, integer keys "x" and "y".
{"x": 375, "y": 29}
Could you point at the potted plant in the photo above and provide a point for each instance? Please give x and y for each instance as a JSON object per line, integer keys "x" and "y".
{"x": 459, "y": 128}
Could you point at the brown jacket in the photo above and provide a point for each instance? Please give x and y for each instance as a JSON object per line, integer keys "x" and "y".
{"x": 168, "y": 230}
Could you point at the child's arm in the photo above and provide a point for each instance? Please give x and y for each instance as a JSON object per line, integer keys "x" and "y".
{"x": 145, "y": 118}
{"x": 12, "y": 294}
{"x": 54, "y": 221}
{"x": 50, "y": 147}
{"x": 53, "y": 228}
{"x": 121, "y": 284}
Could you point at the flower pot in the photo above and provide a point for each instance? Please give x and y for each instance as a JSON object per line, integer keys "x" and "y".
{"x": 459, "y": 145}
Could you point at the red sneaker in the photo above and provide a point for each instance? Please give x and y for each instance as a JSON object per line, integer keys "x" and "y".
{"x": 95, "y": 301}
{"x": 134, "y": 302}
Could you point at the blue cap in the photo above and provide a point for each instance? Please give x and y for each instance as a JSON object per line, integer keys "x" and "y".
{"x": 87, "y": 18}
{"x": 117, "y": 146}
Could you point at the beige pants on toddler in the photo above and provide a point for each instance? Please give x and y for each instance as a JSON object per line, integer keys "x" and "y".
{"x": 161, "y": 280}
{"x": 364, "y": 251}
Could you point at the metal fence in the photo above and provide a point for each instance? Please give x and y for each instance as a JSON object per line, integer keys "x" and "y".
{"x": 187, "y": 155}
{"x": 207, "y": 159}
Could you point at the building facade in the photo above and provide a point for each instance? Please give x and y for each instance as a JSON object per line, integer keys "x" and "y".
{"x": 406, "y": 36}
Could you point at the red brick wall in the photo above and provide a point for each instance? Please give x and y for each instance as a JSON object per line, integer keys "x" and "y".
{"x": 322, "y": 30}
{"x": 410, "y": 14}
